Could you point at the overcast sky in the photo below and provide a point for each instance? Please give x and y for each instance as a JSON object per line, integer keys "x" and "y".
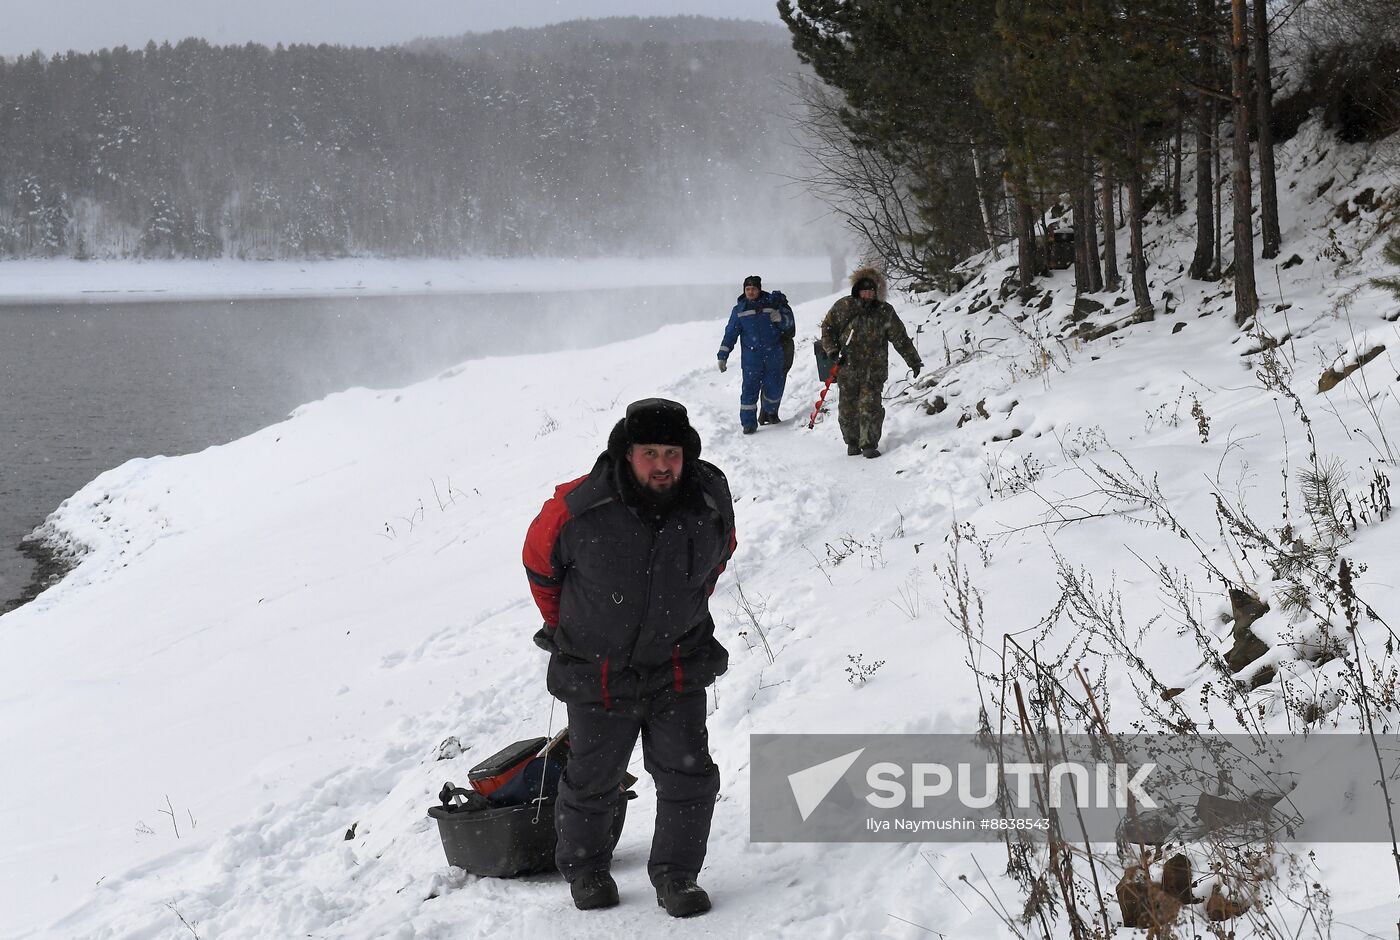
{"x": 58, "y": 25}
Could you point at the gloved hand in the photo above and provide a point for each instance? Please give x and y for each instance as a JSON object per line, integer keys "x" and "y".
{"x": 723, "y": 366}
{"x": 776, "y": 316}
{"x": 918, "y": 367}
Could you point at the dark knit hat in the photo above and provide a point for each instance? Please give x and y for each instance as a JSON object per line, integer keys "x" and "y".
{"x": 865, "y": 283}
{"x": 753, "y": 280}
{"x": 655, "y": 421}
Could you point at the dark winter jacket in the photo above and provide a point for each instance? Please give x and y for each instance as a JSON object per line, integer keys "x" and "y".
{"x": 624, "y": 590}
{"x": 864, "y": 331}
{"x": 763, "y": 323}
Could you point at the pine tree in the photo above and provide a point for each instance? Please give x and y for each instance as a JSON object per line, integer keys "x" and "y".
{"x": 55, "y": 217}
{"x": 1144, "y": 57}
{"x": 1088, "y": 75}
{"x": 1391, "y": 252}
{"x": 29, "y": 210}
{"x": 908, "y": 74}
{"x": 163, "y": 235}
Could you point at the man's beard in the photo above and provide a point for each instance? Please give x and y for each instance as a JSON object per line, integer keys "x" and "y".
{"x": 639, "y": 492}
{"x": 659, "y": 498}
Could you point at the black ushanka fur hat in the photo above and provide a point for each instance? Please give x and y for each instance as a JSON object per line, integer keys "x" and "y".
{"x": 654, "y": 421}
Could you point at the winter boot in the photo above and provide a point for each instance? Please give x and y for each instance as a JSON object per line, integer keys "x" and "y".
{"x": 593, "y": 890}
{"x": 682, "y": 897}
{"x": 750, "y": 430}
{"x": 852, "y": 450}
{"x": 769, "y": 417}
{"x": 871, "y": 452}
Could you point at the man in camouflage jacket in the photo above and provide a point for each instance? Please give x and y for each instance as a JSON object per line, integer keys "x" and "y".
{"x": 860, "y": 328}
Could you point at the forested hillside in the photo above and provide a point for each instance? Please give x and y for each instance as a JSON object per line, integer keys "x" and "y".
{"x": 575, "y": 141}
{"x": 952, "y": 128}
{"x": 547, "y": 40}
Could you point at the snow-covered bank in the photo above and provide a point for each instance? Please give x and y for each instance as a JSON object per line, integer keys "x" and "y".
{"x": 68, "y": 281}
{"x": 337, "y": 590}
{"x": 269, "y": 639}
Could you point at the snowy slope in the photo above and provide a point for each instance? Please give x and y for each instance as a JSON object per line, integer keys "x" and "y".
{"x": 276, "y": 634}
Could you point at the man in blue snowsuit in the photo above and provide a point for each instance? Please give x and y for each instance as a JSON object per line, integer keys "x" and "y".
{"x": 763, "y": 320}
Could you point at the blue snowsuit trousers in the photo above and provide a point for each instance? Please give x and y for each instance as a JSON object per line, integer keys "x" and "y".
{"x": 759, "y": 325}
{"x": 763, "y": 383}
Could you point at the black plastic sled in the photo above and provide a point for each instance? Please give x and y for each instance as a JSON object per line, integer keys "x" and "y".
{"x": 503, "y": 841}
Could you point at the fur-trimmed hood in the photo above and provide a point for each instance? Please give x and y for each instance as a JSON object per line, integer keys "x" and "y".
{"x": 875, "y": 275}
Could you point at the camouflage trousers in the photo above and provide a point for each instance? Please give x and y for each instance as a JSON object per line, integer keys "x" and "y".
{"x": 860, "y": 411}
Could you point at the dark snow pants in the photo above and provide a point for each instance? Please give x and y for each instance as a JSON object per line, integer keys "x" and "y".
{"x": 762, "y": 390}
{"x": 675, "y": 751}
{"x": 860, "y": 410}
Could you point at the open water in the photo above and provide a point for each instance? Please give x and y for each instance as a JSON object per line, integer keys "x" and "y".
{"x": 85, "y": 387}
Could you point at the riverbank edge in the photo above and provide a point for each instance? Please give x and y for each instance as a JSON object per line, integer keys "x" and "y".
{"x": 34, "y": 282}
{"x": 53, "y": 558}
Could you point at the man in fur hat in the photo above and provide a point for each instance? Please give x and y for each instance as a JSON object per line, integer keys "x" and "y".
{"x": 860, "y": 328}
{"x": 621, "y": 563}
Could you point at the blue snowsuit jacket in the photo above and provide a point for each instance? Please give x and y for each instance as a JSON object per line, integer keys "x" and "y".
{"x": 753, "y": 320}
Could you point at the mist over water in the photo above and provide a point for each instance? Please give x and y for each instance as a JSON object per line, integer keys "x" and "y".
{"x": 85, "y": 387}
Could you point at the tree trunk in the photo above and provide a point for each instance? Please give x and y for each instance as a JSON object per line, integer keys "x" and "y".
{"x": 1166, "y": 162}
{"x": 1112, "y": 280}
{"x": 1137, "y": 261}
{"x": 1203, "y": 262}
{"x": 1025, "y": 241}
{"x": 1081, "y": 245}
{"x": 1177, "y": 205}
{"x": 1031, "y": 212}
{"x": 984, "y": 201}
{"x": 1216, "y": 111}
{"x": 1091, "y": 231}
{"x": 1264, "y": 120}
{"x": 1204, "y": 257}
{"x": 1246, "y": 303}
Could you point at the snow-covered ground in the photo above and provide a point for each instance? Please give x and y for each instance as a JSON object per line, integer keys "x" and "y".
{"x": 43, "y": 281}
{"x": 265, "y": 642}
